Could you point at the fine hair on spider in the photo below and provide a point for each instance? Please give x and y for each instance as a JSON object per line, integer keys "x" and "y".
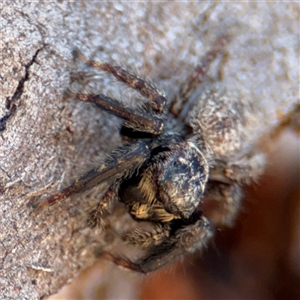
{"x": 166, "y": 177}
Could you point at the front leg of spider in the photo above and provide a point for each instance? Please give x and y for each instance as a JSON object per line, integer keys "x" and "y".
{"x": 185, "y": 237}
{"x": 118, "y": 165}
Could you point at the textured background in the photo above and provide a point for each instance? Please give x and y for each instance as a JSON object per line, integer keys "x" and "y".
{"x": 46, "y": 139}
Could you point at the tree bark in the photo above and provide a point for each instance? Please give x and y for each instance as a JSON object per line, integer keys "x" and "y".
{"x": 46, "y": 140}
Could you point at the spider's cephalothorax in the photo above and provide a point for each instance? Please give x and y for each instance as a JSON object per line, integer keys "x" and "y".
{"x": 167, "y": 178}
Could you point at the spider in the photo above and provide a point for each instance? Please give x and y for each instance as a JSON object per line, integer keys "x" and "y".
{"x": 169, "y": 175}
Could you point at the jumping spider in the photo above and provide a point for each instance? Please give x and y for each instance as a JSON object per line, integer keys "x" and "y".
{"x": 168, "y": 177}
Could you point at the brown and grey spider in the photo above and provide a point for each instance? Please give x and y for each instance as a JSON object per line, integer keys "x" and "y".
{"x": 168, "y": 176}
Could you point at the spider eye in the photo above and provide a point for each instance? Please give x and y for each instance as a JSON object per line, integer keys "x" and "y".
{"x": 179, "y": 167}
{"x": 176, "y": 164}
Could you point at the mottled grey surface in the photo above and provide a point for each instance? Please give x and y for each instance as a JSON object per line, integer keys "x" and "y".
{"x": 50, "y": 139}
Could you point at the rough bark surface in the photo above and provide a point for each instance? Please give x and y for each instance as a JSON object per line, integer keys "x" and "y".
{"x": 46, "y": 139}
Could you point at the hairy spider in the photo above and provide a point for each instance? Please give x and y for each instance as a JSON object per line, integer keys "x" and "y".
{"x": 166, "y": 176}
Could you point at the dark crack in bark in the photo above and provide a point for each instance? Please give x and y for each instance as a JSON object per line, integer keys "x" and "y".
{"x": 11, "y": 103}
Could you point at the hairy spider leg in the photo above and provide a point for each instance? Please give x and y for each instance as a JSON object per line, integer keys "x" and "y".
{"x": 118, "y": 164}
{"x": 197, "y": 77}
{"x": 134, "y": 119}
{"x": 186, "y": 239}
{"x": 147, "y": 239}
{"x": 157, "y": 99}
{"x": 95, "y": 218}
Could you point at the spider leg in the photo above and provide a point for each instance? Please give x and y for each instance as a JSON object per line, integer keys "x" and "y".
{"x": 157, "y": 99}
{"x": 147, "y": 239}
{"x": 121, "y": 162}
{"x": 186, "y": 239}
{"x": 96, "y": 216}
{"x": 197, "y": 77}
{"x": 138, "y": 120}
